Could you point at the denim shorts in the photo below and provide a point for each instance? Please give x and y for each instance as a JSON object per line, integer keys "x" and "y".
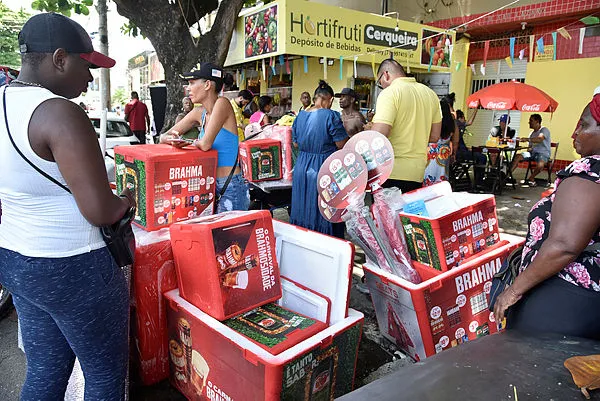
{"x": 236, "y": 196}
{"x": 537, "y": 157}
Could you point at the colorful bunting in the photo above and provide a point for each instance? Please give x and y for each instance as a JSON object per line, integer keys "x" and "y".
{"x": 305, "y": 64}
{"x": 581, "y": 36}
{"x": 287, "y": 65}
{"x": 272, "y": 62}
{"x": 521, "y": 54}
{"x": 531, "y": 47}
{"x": 458, "y": 65}
{"x": 509, "y": 61}
{"x": 355, "y": 69}
{"x": 373, "y": 66}
{"x": 512, "y": 51}
{"x": 473, "y": 69}
{"x": 590, "y": 20}
{"x": 486, "y": 49}
{"x": 564, "y": 33}
{"x": 325, "y": 68}
{"x": 341, "y": 68}
{"x": 264, "y": 69}
{"x": 554, "y": 44}
{"x": 482, "y": 69}
{"x": 540, "y": 45}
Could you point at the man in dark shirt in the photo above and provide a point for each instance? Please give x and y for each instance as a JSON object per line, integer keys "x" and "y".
{"x": 136, "y": 113}
{"x": 499, "y": 130}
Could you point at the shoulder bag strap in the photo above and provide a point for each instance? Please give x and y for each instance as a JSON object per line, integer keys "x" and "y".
{"x": 36, "y": 168}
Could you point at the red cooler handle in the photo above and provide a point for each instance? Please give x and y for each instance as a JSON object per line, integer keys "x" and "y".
{"x": 326, "y": 342}
{"x": 436, "y": 285}
{"x": 174, "y": 305}
{"x": 251, "y": 357}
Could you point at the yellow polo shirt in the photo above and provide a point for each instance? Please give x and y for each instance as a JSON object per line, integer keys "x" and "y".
{"x": 410, "y": 108}
{"x": 239, "y": 118}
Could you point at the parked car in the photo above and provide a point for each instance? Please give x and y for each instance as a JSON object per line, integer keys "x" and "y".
{"x": 117, "y": 131}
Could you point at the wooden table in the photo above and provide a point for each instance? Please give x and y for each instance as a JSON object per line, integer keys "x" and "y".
{"x": 487, "y": 369}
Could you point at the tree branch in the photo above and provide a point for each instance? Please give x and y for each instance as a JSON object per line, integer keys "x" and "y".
{"x": 222, "y": 29}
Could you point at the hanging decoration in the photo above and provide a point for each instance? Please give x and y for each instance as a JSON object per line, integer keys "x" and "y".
{"x": 287, "y": 65}
{"x": 407, "y": 64}
{"x": 581, "y": 36}
{"x": 341, "y": 68}
{"x": 458, "y": 65}
{"x": 482, "y": 69}
{"x": 531, "y": 47}
{"x": 325, "y": 68}
{"x": 264, "y": 69}
{"x": 355, "y": 68}
{"x": 243, "y": 78}
{"x": 305, "y": 64}
{"x": 540, "y": 45}
{"x": 509, "y": 61}
{"x": 373, "y": 66}
{"x": 564, "y": 33}
{"x": 554, "y": 44}
{"x": 272, "y": 62}
{"x": 521, "y": 54}
{"x": 512, "y": 51}
{"x": 486, "y": 49}
{"x": 473, "y": 69}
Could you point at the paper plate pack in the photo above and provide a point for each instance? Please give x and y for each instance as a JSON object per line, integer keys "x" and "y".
{"x": 343, "y": 174}
{"x": 378, "y": 154}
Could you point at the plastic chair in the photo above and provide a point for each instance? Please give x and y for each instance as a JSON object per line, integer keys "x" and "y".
{"x": 549, "y": 166}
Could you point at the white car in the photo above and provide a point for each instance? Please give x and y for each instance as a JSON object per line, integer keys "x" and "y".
{"x": 118, "y": 133}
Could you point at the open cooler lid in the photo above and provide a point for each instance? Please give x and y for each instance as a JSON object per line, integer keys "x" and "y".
{"x": 317, "y": 261}
{"x": 303, "y": 300}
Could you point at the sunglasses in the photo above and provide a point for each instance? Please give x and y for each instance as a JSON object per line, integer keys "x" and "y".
{"x": 378, "y": 82}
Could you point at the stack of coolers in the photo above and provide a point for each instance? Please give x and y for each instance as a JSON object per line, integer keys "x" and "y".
{"x": 261, "y": 312}
{"x": 455, "y": 246}
{"x": 169, "y": 185}
{"x": 261, "y": 160}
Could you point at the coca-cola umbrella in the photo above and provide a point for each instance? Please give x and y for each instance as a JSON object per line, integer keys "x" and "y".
{"x": 513, "y": 95}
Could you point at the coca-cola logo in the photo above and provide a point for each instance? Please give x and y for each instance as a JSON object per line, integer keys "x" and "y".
{"x": 531, "y": 107}
{"x": 496, "y": 105}
{"x": 474, "y": 103}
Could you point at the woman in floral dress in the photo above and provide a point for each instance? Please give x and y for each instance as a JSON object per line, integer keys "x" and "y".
{"x": 558, "y": 287}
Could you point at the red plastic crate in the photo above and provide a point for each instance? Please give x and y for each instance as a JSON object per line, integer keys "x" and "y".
{"x": 445, "y": 242}
{"x": 261, "y": 159}
{"x": 153, "y": 274}
{"x": 226, "y": 263}
{"x": 170, "y": 184}
{"x": 211, "y": 361}
{"x": 443, "y": 311}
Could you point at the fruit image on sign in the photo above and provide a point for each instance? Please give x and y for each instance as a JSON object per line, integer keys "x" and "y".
{"x": 261, "y": 32}
{"x": 441, "y": 43}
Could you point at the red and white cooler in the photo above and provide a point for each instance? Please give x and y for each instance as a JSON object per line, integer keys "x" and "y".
{"x": 445, "y": 310}
{"x": 211, "y": 360}
{"x": 261, "y": 159}
{"x": 226, "y": 263}
{"x": 169, "y": 184}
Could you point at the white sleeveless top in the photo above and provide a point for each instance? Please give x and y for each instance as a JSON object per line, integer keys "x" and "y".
{"x": 38, "y": 218}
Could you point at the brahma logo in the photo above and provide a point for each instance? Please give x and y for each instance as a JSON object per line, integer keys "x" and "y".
{"x": 477, "y": 276}
{"x": 496, "y": 105}
{"x": 531, "y": 107}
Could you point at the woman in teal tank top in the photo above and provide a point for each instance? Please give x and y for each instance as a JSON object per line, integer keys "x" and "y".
{"x": 218, "y": 131}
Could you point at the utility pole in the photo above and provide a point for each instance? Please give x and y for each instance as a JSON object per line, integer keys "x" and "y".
{"x": 102, "y": 10}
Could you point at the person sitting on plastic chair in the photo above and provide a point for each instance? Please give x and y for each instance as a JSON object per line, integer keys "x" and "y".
{"x": 539, "y": 144}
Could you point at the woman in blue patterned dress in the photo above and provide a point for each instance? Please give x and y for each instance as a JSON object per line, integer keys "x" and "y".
{"x": 558, "y": 287}
{"x": 317, "y": 133}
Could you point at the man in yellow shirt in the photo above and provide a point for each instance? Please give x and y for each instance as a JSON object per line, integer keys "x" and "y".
{"x": 409, "y": 114}
{"x": 238, "y": 104}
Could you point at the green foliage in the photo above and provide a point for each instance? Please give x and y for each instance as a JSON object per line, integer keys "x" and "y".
{"x": 252, "y": 3}
{"x": 119, "y": 97}
{"x": 64, "y": 7}
{"x": 131, "y": 29}
{"x": 10, "y": 25}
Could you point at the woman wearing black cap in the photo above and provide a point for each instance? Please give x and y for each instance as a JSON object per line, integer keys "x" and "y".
{"x": 218, "y": 131}
{"x": 318, "y": 133}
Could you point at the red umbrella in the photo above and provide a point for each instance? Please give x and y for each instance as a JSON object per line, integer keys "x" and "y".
{"x": 512, "y": 96}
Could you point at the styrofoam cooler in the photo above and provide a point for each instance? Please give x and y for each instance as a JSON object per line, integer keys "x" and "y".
{"x": 261, "y": 159}
{"x": 443, "y": 311}
{"x": 210, "y": 360}
{"x": 153, "y": 273}
{"x": 169, "y": 184}
{"x": 444, "y": 242}
{"x": 226, "y": 263}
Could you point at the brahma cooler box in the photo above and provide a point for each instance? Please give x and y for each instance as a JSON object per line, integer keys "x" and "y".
{"x": 462, "y": 225}
{"x": 261, "y": 159}
{"x": 211, "y": 360}
{"x": 169, "y": 184}
{"x": 442, "y": 312}
{"x": 226, "y": 263}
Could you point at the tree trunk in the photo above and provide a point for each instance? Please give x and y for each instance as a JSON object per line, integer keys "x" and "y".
{"x": 166, "y": 26}
{"x": 104, "y": 72}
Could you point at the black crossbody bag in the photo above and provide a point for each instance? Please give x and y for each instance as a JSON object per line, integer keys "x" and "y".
{"x": 118, "y": 237}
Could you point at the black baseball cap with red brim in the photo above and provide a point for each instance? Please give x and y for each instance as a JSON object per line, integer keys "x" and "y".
{"x": 46, "y": 32}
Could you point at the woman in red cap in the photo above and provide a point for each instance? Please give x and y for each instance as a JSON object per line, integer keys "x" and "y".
{"x": 558, "y": 287}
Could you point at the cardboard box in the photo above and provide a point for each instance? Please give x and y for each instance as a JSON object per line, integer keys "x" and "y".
{"x": 170, "y": 184}
{"x": 212, "y": 361}
{"x": 443, "y": 242}
{"x": 226, "y": 263}
{"x": 153, "y": 273}
{"x": 261, "y": 159}
{"x": 444, "y": 311}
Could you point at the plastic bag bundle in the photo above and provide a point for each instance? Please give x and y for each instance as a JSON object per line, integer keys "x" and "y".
{"x": 387, "y": 203}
